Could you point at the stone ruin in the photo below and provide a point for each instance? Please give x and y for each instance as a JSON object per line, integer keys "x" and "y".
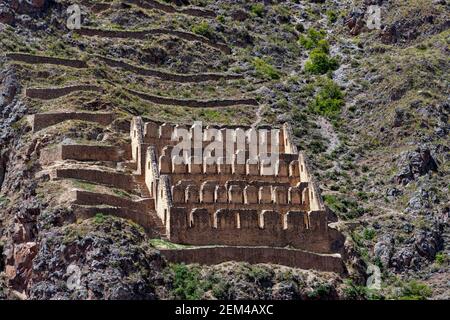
{"x": 235, "y": 208}
{"x": 232, "y": 203}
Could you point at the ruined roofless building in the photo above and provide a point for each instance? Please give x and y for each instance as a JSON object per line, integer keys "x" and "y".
{"x": 231, "y": 203}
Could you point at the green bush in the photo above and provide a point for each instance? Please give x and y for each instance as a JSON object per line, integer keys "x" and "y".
{"x": 312, "y": 38}
{"x": 257, "y": 9}
{"x": 345, "y": 208}
{"x": 321, "y": 292}
{"x": 203, "y": 29}
{"x": 221, "y": 19}
{"x": 328, "y": 100}
{"x": 332, "y": 16}
{"x": 265, "y": 69}
{"x": 369, "y": 234}
{"x": 415, "y": 290}
{"x": 356, "y": 292}
{"x": 323, "y": 46}
{"x": 186, "y": 282}
{"x": 4, "y": 201}
{"x": 441, "y": 258}
{"x": 260, "y": 274}
{"x": 99, "y": 218}
{"x": 317, "y": 146}
{"x": 320, "y": 62}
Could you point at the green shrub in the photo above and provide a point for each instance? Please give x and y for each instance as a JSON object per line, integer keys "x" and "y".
{"x": 320, "y": 62}
{"x": 332, "y": 16}
{"x": 4, "y": 201}
{"x": 260, "y": 274}
{"x": 369, "y": 234}
{"x": 328, "y": 100}
{"x": 186, "y": 282}
{"x": 300, "y": 28}
{"x": 356, "y": 292}
{"x": 323, "y": 46}
{"x": 344, "y": 207}
{"x": 203, "y": 29}
{"x": 441, "y": 258}
{"x": 321, "y": 292}
{"x": 257, "y": 9}
{"x": 265, "y": 69}
{"x": 99, "y": 218}
{"x": 415, "y": 290}
{"x": 312, "y": 38}
{"x": 317, "y": 146}
{"x": 221, "y": 19}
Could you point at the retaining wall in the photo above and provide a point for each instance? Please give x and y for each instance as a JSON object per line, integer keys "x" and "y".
{"x": 250, "y": 227}
{"x": 85, "y": 153}
{"x": 144, "y": 219}
{"x": 281, "y": 256}
{"x": 35, "y": 59}
{"x": 54, "y": 93}
{"x": 94, "y": 198}
{"x": 193, "y": 103}
{"x": 183, "y": 78}
{"x": 196, "y": 12}
{"x": 113, "y": 179}
{"x": 142, "y": 35}
{"x": 40, "y": 121}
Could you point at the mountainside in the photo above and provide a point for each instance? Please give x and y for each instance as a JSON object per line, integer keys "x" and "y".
{"x": 370, "y": 107}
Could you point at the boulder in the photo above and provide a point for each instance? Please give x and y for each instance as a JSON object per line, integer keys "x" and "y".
{"x": 6, "y": 14}
{"x": 414, "y": 164}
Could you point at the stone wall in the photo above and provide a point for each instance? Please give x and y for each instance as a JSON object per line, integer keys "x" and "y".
{"x": 287, "y": 257}
{"x": 93, "y": 198}
{"x": 43, "y": 120}
{"x": 251, "y": 227}
{"x": 144, "y": 219}
{"x": 193, "y": 103}
{"x": 144, "y": 34}
{"x": 35, "y": 59}
{"x": 229, "y": 203}
{"x": 85, "y": 153}
{"x": 54, "y": 93}
{"x": 108, "y": 178}
{"x": 183, "y": 78}
{"x": 192, "y": 11}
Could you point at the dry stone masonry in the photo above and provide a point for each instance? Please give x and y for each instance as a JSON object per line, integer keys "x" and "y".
{"x": 203, "y": 203}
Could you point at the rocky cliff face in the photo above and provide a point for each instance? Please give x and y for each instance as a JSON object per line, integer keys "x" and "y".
{"x": 370, "y": 107}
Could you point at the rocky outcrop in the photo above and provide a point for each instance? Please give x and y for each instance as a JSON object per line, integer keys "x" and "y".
{"x": 6, "y": 14}
{"x": 413, "y": 164}
{"x": 106, "y": 259}
{"x": 9, "y": 9}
